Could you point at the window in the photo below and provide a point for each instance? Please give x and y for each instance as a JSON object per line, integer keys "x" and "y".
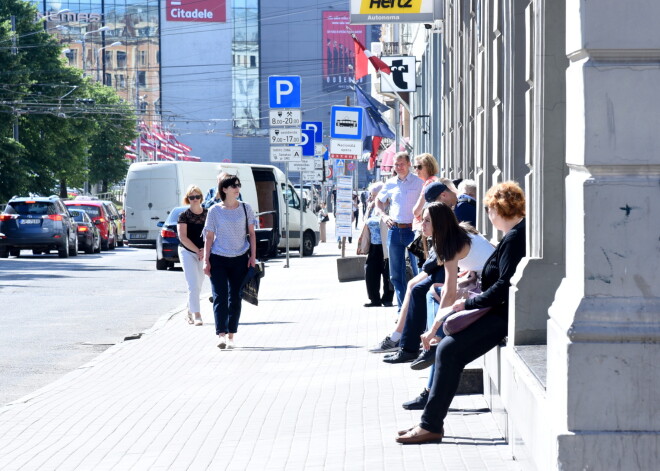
{"x": 72, "y": 57}
{"x": 143, "y": 57}
{"x": 120, "y": 81}
{"x": 291, "y": 197}
{"x": 142, "y": 78}
{"x": 253, "y": 61}
{"x": 108, "y": 80}
{"x": 121, "y": 59}
{"x": 143, "y": 107}
{"x": 107, "y": 56}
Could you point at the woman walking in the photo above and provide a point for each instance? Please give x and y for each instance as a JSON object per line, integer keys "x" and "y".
{"x": 230, "y": 249}
{"x": 505, "y": 203}
{"x": 191, "y": 249}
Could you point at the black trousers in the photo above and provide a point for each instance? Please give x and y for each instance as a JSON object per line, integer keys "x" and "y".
{"x": 227, "y": 275}
{"x": 375, "y": 269}
{"x": 453, "y": 353}
{"x": 416, "y": 316}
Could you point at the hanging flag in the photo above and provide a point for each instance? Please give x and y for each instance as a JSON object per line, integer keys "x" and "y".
{"x": 374, "y": 124}
{"x": 375, "y": 145}
{"x": 360, "y": 64}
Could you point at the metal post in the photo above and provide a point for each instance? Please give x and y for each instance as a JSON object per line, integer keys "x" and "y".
{"x": 396, "y": 126}
{"x": 286, "y": 179}
{"x": 302, "y": 206}
{"x": 14, "y": 51}
{"x": 84, "y": 65}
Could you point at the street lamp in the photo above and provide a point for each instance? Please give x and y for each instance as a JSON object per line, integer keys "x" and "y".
{"x": 98, "y": 54}
{"x": 100, "y": 30}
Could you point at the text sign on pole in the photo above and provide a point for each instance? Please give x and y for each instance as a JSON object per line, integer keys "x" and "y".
{"x": 285, "y": 154}
{"x": 346, "y": 122}
{"x": 284, "y": 91}
{"x": 285, "y": 136}
{"x": 320, "y": 149}
{"x": 313, "y": 176}
{"x": 344, "y": 210}
{"x": 285, "y": 117}
{"x": 348, "y": 149}
{"x": 317, "y": 127}
{"x": 304, "y": 165}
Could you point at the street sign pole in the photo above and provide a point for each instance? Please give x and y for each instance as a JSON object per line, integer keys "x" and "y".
{"x": 286, "y": 179}
{"x": 302, "y": 206}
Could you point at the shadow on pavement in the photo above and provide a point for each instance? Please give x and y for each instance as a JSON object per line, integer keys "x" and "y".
{"x": 475, "y": 441}
{"x": 305, "y": 347}
{"x": 266, "y": 323}
{"x": 288, "y": 299}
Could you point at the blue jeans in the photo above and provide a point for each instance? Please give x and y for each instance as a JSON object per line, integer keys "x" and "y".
{"x": 397, "y": 241}
{"x": 432, "y": 307}
{"x": 413, "y": 264}
{"x": 227, "y": 275}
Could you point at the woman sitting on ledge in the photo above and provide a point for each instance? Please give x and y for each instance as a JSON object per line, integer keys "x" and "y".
{"x": 505, "y": 203}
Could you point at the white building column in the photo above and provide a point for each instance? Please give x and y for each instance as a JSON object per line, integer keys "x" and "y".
{"x": 603, "y": 384}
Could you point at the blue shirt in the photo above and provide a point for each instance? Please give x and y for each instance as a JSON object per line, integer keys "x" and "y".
{"x": 374, "y": 229}
{"x": 403, "y": 195}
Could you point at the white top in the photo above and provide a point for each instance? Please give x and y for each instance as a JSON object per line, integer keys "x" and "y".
{"x": 228, "y": 226}
{"x": 403, "y": 195}
{"x": 480, "y": 250}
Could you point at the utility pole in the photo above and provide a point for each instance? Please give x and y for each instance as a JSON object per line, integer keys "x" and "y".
{"x": 137, "y": 114}
{"x": 14, "y": 51}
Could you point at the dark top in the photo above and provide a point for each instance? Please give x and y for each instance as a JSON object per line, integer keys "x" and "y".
{"x": 466, "y": 210}
{"x": 431, "y": 268}
{"x": 194, "y": 225}
{"x": 498, "y": 270}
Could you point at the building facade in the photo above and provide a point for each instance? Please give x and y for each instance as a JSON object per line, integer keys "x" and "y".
{"x": 561, "y": 97}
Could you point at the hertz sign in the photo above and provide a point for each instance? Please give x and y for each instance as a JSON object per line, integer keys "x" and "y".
{"x": 393, "y": 11}
{"x": 206, "y": 11}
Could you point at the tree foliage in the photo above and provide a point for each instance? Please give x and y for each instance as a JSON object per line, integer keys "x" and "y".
{"x": 71, "y": 129}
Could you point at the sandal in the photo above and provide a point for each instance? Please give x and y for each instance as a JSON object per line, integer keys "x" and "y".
{"x": 190, "y": 318}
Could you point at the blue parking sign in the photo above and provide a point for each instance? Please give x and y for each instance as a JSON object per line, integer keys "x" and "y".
{"x": 284, "y": 91}
{"x": 317, "y": 127}
{"x": 307, "y": 142}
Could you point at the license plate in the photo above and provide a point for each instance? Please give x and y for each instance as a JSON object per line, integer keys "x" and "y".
{"x": 29, "y": 221}
{"x": 142, "y": 235}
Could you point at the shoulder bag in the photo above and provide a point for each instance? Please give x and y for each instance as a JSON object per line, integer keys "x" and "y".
{"x": 364, "y": 242}
{"x": 461, "y": 320}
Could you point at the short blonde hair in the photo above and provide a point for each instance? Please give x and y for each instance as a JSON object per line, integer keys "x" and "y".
{"x": 507, "y": 198}
{"x": 192, "y": 189}
{"x": 429, "y": 163}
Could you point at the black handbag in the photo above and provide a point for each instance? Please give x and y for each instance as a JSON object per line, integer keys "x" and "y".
{"x": 416, "y": 248}
{"x": 250, "y": 286}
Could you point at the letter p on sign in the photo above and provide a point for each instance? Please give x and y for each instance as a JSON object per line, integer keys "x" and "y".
{"x": 284, "y": 92}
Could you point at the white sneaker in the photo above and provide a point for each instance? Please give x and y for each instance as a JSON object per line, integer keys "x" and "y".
{"x": 223, "y": 342}
{"x": 230, "y": 344}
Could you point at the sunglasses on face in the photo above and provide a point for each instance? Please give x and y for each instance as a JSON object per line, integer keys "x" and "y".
{"x": 418, "y": 167}
{"x": 235, "y": 185}
{"x": 194, "y": 197}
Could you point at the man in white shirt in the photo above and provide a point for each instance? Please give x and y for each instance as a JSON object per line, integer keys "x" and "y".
{"x": 400, "y": 193}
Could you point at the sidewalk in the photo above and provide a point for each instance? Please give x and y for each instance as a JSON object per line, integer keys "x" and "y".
{"x": 300, "y": 393}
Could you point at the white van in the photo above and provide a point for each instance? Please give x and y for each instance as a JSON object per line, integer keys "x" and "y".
{"x": 154, "y": 188}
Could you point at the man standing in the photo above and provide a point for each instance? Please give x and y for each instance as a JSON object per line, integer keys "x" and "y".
{"x": 401, "y": 193}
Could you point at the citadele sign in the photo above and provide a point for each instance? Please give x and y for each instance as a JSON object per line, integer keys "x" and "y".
{"x": 208, "y": 11}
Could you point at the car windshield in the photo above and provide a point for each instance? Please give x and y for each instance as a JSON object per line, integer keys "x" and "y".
{"x": 78, "y": 216}
{"x": 173, "y": 217}
{"x": 93, "y": 211}
{"x": 30, "y": 208}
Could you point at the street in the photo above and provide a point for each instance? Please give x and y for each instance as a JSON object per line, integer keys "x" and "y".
{"x": 58, "y": 314}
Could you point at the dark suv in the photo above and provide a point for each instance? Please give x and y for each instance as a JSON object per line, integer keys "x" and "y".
{"x": 37, "y": 223}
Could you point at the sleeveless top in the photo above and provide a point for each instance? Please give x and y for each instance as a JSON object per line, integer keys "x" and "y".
{"x": 194, "y": 225}
{"x": 480, "y": 251}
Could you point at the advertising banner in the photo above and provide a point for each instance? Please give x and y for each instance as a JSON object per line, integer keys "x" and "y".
{"x": 206, "y": 11}
{"x": 367, "y": 12}
{"x": 338, "y": 49}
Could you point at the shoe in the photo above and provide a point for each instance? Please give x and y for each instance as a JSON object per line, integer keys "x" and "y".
{"x": 230, "y": 344}
{"x": 198, "y": 320}
{"x": 400, "y": 357}
{"x": 190, "y": 318}
{"x": 418, "y": 436}
{"x": 388, "y": 303}
{"x": 372, "y": 304}
{"x": 403, "y": 432}
{"x": 425, "y": 359}
{"x": 387, "y": 345}
{"x": 223, "y": 343}
{"x": 418, "y": 403}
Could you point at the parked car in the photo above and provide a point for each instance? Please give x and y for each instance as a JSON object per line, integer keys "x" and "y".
{"x": 167, "y": 241}
{"x": 38, "y": 223}
{"x": 116, "y": 219}
{"x": 89, "y": 237}
{"x": 98, "y": 212}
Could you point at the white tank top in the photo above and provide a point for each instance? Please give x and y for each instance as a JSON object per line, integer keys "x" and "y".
{"x": 480, "y": 250}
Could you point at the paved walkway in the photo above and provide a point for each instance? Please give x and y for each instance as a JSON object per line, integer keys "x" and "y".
{"x": 301, "y": 393}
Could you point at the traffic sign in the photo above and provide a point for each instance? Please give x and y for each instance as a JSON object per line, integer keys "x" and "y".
{"x": 285, "y": 117}
{"x": 402, "y": 78}
{"x": 320, "y": 149}
{"x": 304, "y": 165}
{"x": 346, "y": 122}
{"x": 308, "y": 142}
{"x": 347, "y": 149}
{"x": 313, "y": 176}
{"x": 317, "y": 127}
{"x": 318, "y": 162}
{"x": 284, "y": 91}
{"x": 285, "y": 153}
{"x": 285, "y": 136}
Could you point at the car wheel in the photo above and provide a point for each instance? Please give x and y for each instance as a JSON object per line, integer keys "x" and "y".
{"x": 15, "y": 252}
{"x": 89, "y": 249}
{"x": 37, "y": 252}
{"x": 104, "y": 244}
{"x": 63, "y": 252}
{"x": 161, "y": 264}
{"x": 4, "y": 253}
{"x": 73, "y": 249}
{"x": 112, "y": 245}
{"x": 120, "y": 241}
{"x": 308, "y": 244}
